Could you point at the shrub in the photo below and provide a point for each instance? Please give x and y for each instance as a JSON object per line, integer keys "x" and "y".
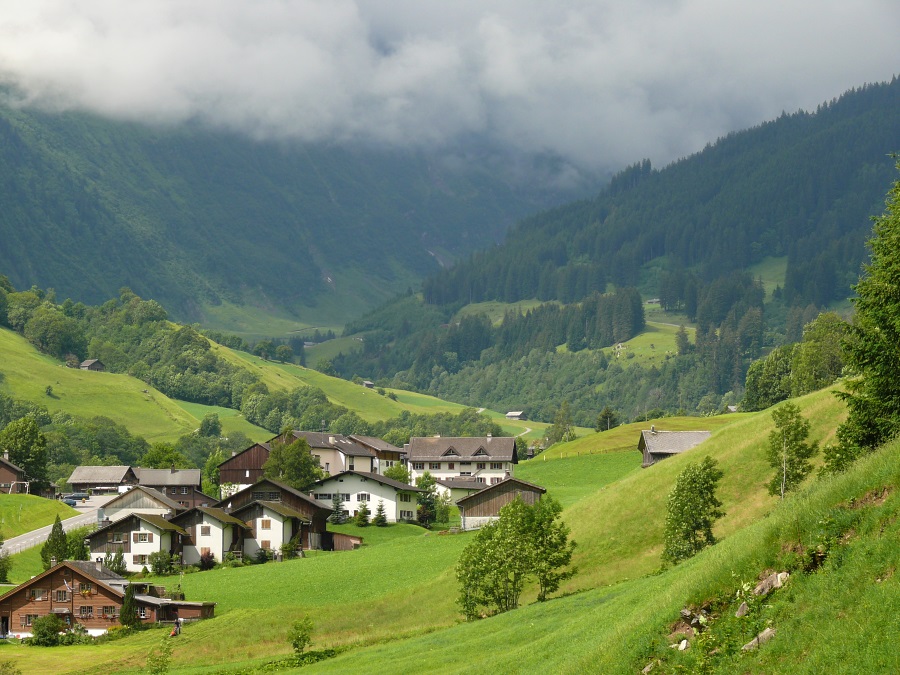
{"x": 45, "y": 631}
{"x": 207, "y": 561}
{"x": 160, "y": 563}
{"x": 300, "y": 635}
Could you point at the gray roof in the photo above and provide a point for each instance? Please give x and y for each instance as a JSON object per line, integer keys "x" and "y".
{"x": 462, "y": 484}
{"x": 378, "y": 478}
{"x": 11, "y": 465}
{"x": 377, "y": 443}
{"x": 496, "y": 448}
{"x": 670, "y": 442}
{"x": 167, "y": 476}
{"x": 158, "y": 522}
{"x": 110, "y": 475}
{"x": 155, "y": 494}
{"x": 334, "y": 442}
{"x": 96, "y": 570}
{"x": 277, "y": 483}
{"x": 212, "y": 512}
{"x": 503, "y": 483}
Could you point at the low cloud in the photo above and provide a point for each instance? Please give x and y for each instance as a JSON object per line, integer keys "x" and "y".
{"x": 599, "y": 84}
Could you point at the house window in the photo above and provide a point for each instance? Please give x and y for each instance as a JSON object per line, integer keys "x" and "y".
{"x": 29, "y": 618}
{"x": 142, "y": 612}
{"x": 362, "y": 497}
{"x": 174, "y": 491}
{"x": 266, "y": 544}
{"x": 267, "y": 496}
{"x": 496, "y": 465}
{"x": 328, "y": 466}
{"x": 418, "y": 466}
{"x": 434, "y": 465}
{"x": 404, "y": 497}
{"x": 265, "y": 524}
{"x": 495, "y": 480}
{"x": 139, "y": 559}
{"x": 345, "y": 496}
{"x": 350, "y": 465}
{"x": 37, "y": 594}
{"x": 87, "y": 612}
{"x": 465, "y": 463}
{"x": 465, "y": 473}
{"x": 184, "y": 490}
{"x": 480, "y": 479}
{"x": 451, "y": 465}
{"x": 62, "y": 596}
{"x": 118, "y": 537}
{"x": 324, "y": 496}
{"x": 205, "y": 530}
{"x": 109, "y": 610}
{"x": 406, "y": 515}
{"x": 247, "y": 473}
{"x": 143, "y": 537}
{"x": 480, "y": 466}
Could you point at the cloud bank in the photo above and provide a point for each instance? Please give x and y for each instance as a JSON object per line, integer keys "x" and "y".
{"x": 600, "y": 83}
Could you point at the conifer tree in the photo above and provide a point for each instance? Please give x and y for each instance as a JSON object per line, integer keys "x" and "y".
{"x": 337, "y": 510}
{"x": 362, "y": 515}
{"x": 128, "y": 616}
{"x": 380, "y": 519}
{"x": 57, "y": 545}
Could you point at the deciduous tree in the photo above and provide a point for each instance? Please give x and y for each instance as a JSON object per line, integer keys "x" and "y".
{"x": 691, "y": 510}
{"x": 293, "y": 463}
{"x": 788, "y": 451}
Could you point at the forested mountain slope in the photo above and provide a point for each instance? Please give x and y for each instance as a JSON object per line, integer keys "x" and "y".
{"x": 194, "y": 218}
{"x": 803, "y": 185}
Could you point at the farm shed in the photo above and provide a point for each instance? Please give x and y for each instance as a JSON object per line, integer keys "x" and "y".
{"x": 657, "y": 445}
{"x": 482, "y": 507}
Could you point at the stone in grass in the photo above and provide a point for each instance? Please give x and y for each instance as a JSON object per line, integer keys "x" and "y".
{"x": 683, "y": 645}
{"x": 742, "y": 610}
{"x": 649, "y": 667}
{"x": 771, "y": 582}
{"x": 760, "y": 639}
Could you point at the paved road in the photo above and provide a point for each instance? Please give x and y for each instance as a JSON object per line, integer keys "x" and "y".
{"x": 87, "y": 516}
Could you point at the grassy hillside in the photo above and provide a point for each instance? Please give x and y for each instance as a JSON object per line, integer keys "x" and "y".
{"x": 23, "y": 513}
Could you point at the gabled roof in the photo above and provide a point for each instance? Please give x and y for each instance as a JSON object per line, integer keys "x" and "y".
{"x": 339, "y": 442}
{"x": 377, "y": 443}
{"x": 670, "y": 442}
{"x": 259, "y": 485}
{"x": 12, "y": 466}
{"x": 390, "y": 482}
{"x": 154, "y": 494}
{"x": 212, "y": 512}
{"x": 158, "y": 522}
{"x": 277, "y": 507}
{"x": 167, "y": 476}
{"x": 90, "y": 362}
{"x": 109, "y": 475}
{"x": 103, "y": 577}
{"x": 462, "y": 484}
{"x": 266, "y": 446}
{"x": 497, "y": 486}
{"x": 498, "y": 448}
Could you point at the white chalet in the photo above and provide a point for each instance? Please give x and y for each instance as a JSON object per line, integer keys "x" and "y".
{"x": 485, "y": 460}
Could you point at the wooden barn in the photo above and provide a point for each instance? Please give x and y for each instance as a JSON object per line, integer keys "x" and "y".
{"x": 484, "y": 506}
{"x": 656, "y": 445}
{"x": 92, "y": 364}
{"x": 12, "y": 478}
{"x": 244, "y": 468}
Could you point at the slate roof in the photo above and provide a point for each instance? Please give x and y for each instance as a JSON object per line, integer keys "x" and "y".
{"x": 390, "y": 482}
{"x": 155, "y": 494}
{"x": 340, "y": 442}
{"x": 496, "y": 448}
{"x": 220, "y": 515}
{"x": 89, "y": 569}
{"x": 503, "y": 483}
{"x": 277, "y": 483}
{"x": 462, "y": 484}
{"x": 110, "y": 475}
{"x": 670, "y": 442}
{"x": 167, "y": 477}
{"x": 278, "y": 507}
{"x": 377, "y": 443}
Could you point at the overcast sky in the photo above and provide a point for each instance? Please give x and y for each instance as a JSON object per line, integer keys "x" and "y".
{"x": 601, "y": 83}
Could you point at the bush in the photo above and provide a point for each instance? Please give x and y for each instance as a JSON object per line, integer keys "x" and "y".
{"x": 300, "y": 635}
{"x": 262, "y": 556}
{"x": 160, "y": 563}
{"x": 207, "y": 561}
{"x": 45, "y": 631}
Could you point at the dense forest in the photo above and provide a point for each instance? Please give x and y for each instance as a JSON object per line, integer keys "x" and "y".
{"x": 802, "y": 187}
{"x": 193, "y": 218}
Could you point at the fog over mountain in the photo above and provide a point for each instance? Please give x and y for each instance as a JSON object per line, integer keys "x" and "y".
{"x": 597, "y": 84}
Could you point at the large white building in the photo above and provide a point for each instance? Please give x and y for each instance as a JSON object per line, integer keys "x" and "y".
{"x": 485, "y": 460}
{"x": 358, "y": 487}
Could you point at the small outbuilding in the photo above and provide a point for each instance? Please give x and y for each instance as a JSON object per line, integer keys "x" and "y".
{"x": 92, "y": 364}
{"x": 656, "y": 445}
{"x": 483, "y": 506}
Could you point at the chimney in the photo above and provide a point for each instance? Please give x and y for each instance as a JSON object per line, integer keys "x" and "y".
{"x": 652, "y": 429}
{"x": 331, "y": 439}
{"x": 234, "y": 453}
{"x": 98, "y": 564}
{"x": 489, "y": 437}
{"x": 172, "y": 470}
{"x": 53, "y": 561}
{"x": 6, "y": 455}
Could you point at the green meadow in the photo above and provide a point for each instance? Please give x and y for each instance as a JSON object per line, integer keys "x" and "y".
{"x": 23, "y": 513}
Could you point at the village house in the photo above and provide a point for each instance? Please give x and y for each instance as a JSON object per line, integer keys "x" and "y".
{"x": 141, "y": 500}
{"x": 656, "y": 445}
{"x": 138, "y": 536}
{"x": 244, "y": 468}
{"x": 90, "y": 595}
{"x": 210, "y": 530}
{"x": 485, "y": 460}
{"x": 102, "y": 478}
{"x": 457, "y": 488}
{"x": 386, "y": 454}
{"x": 92, "y": 364}
{"x": 276, "y": 513}
{"x": 482, "y": 507}
{"x": 337, "y": 453}
{"x": 180, "y": 485}
{"x": 359, "y": 487}
{"x": 12, "y": 478}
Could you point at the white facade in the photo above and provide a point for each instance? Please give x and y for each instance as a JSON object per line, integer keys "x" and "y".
{"x": 487, "y": 472}
{"x": 272, "y": 530}
{"x": 356, "y": 490}
{"x": 144, "y": 541}
{"x": 212, "y": 535}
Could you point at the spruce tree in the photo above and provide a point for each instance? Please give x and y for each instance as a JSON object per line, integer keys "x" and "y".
{"x": 362, "y": 515}
{"x": 56, "y": 546}
{"x": 380, "y": 519}
{"x": 337, "y": 510}
{"x": 129, "y": 617}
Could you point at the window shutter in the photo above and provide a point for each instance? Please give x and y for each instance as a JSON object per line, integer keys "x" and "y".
{"x": 134, "y": 537}
{"x": 134, "y": 559}
{"x": 108, "y": 537}
{"x": 150, "y": 537}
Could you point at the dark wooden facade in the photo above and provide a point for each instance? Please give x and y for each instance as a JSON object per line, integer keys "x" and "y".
{"x": 269, "y": 490}
{"x": 244, "y": 468}
{"x": 12, "y": 478}
{"x": 187, "y": 496}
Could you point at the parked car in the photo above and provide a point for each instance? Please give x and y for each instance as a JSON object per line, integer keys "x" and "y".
{"x": 79, "y": 496}
{"x": 68, "y": 501}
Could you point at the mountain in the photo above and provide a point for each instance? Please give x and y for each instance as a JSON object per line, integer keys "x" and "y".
{"x": 198, "y": 219}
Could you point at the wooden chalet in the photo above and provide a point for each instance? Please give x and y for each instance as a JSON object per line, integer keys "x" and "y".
{"x": 138, "y": 536}
{"x": 102, "y": 478}
{"x": 180, "y": 485}
{"x": 484, "y": 506}
{"x": 92, "y": 364}
{"x": 210, "y": 530}
{"x": 90, "y": 595}
{"x": 139, "y": 499}
{"x": 657, "y": 445}
{"x": 12, "y": 478}
{"x": 244, "y": 468}
{"x": 305, "y": 516}
{"x": 386, "y": 454}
